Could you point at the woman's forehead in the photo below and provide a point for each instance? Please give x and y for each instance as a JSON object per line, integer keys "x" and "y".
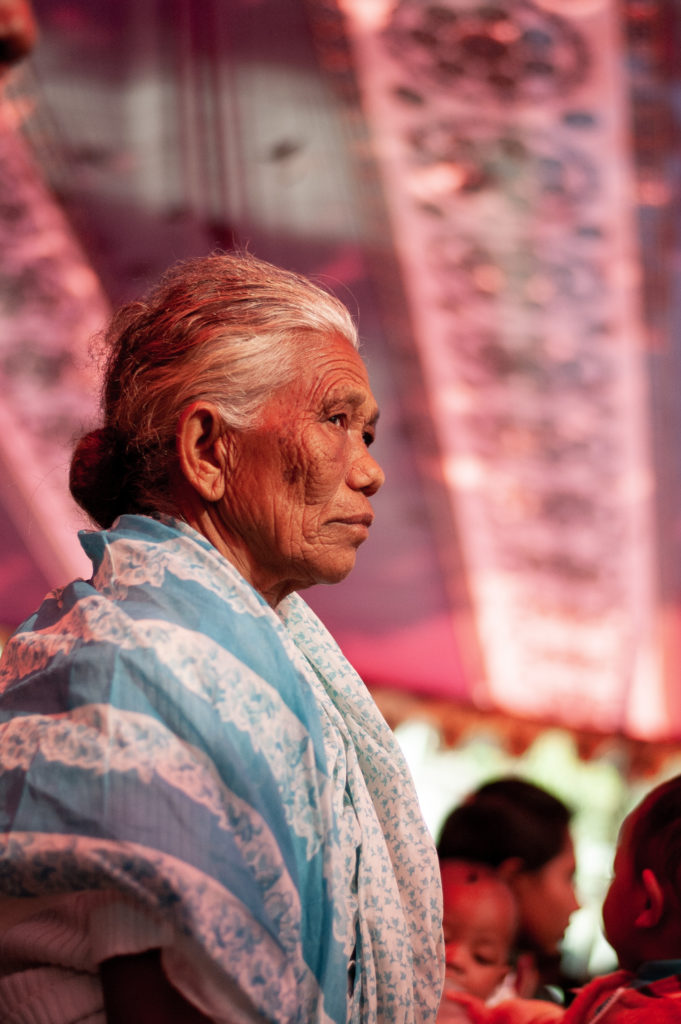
{"x": 336, "y": 372}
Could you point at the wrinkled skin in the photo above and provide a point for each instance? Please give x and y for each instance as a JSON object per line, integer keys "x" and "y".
{"x": 289, "y": 499}
{"x": 287, "y": 503}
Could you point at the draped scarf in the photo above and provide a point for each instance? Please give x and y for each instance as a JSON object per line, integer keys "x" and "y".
{"x": 187, "y": 757}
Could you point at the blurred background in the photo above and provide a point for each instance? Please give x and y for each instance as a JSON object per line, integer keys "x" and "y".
{"x": 493, "y": 189}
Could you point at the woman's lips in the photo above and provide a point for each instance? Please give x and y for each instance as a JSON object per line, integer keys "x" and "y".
{"x": 359, "y": 524}
{"x": 364, "y": 520}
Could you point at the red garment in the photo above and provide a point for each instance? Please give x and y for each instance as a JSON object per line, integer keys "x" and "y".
{"x": 619, "y": 998}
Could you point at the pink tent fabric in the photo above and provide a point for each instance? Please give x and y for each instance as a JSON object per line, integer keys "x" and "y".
{"x": 485, "y": 188}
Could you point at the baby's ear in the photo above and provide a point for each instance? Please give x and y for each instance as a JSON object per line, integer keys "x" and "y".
{"x": 510, "y": 868}
{"x": 650, "y": 916}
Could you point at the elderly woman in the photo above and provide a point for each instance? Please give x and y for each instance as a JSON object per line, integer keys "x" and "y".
{"x": 204, "y": 816}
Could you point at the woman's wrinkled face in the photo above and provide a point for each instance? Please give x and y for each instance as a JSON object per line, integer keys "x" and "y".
{"x": 300, "y": 481}
{"x": 547, "y": 900}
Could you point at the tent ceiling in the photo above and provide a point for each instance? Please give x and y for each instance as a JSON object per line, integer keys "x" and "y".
{"x": 165, "y": 130}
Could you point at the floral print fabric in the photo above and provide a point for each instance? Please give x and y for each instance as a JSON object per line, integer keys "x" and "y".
{"x": 168, "y": 738}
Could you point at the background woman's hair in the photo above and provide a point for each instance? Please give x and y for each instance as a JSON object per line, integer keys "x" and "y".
{"x": 509, "y": 817}
{"x": 227, "y": 328}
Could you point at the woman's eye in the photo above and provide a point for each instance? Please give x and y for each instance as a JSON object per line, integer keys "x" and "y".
{"x": 341, "y": 419}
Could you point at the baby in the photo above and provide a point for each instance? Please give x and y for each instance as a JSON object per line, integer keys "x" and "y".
{"x": 480, "y": 921}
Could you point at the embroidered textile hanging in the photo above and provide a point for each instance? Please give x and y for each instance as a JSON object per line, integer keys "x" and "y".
{"x": 502, "y": 140}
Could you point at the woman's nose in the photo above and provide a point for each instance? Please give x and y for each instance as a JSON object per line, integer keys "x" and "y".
{"x": 365, "y": 474}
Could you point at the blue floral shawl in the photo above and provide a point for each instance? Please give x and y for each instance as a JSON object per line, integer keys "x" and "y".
{"x": 168, "y": 738}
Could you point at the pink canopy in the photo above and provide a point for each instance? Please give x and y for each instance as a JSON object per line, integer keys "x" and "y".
{"x": 493, "y": 190}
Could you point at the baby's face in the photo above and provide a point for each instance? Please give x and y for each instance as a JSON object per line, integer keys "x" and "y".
{"x": 479, "y": 923}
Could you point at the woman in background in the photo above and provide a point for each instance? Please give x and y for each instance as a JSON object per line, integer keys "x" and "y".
{"x": 523, "y": 832}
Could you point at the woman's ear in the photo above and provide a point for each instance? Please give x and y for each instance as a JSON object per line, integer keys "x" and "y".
{"x": 203, "y": 450}
{"x": 650, "y": 916}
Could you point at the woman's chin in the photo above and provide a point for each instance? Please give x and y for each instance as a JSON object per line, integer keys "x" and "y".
{"x": 337, "y": 570}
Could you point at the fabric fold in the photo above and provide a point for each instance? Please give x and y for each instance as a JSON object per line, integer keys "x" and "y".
{"x": 171, "y": 741}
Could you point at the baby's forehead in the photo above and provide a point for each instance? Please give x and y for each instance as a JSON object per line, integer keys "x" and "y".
{"x": 466, "y": 883}
{"x": 464, "y": 873}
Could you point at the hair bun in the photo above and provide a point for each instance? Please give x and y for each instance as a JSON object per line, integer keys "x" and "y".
{"x": 97, "y": 475}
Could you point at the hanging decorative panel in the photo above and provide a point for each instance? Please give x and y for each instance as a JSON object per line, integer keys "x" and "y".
{"x": 50, "y": 306}
{"x": 502, "y": 138}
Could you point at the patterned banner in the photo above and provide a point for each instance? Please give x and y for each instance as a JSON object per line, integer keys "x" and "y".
{"x": 51, "y": 304}
{"x": 501, "y": 136}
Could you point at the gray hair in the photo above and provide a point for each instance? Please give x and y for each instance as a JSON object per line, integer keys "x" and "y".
{"x": 227, "y": 328}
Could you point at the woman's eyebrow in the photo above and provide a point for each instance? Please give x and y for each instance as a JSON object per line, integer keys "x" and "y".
{"x": 355, "y": 399}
